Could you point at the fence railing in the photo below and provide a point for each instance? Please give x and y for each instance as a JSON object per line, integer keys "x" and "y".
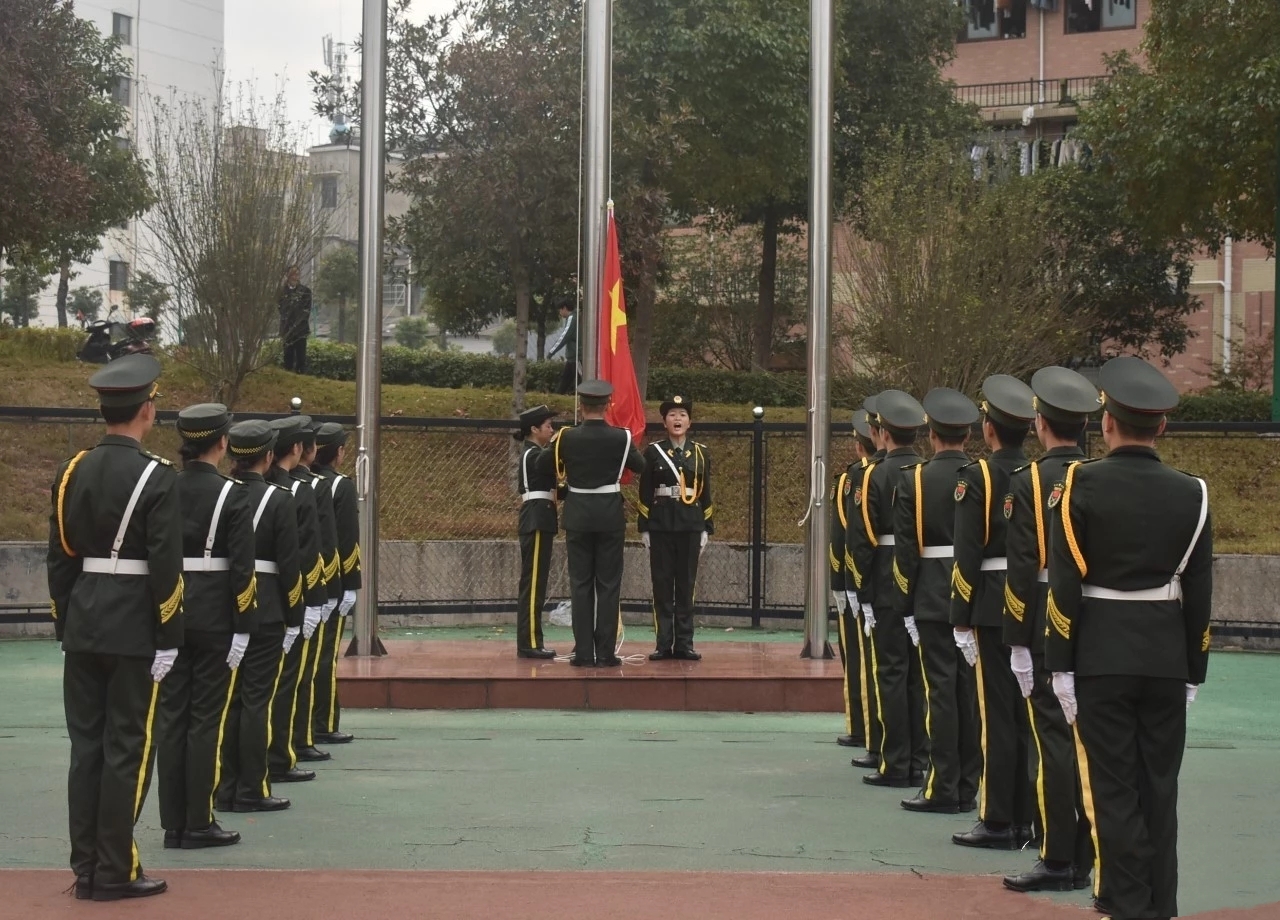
{"x": 1067, "y": 91}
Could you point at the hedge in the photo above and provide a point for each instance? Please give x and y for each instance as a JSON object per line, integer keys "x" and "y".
{"x": 1224, "y": 405}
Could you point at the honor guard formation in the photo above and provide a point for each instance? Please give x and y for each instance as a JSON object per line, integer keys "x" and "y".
{"x": 1021, "y": 639}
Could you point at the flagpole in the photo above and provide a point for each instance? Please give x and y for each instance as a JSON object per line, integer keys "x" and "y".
{"x": 821, "y": 40}
{"x": 598, "y": 29}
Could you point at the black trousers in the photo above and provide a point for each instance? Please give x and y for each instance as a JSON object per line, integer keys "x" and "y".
{"x": 870, "y": 686}
{"x": 904, "y": 746}
{"x": 247, "y": 736}
{"x": 295, "y": 356}
{"x": 305, "y": 699}
{"x": 568, "y": 378}
{"x": 595, "y": 581}
{"x": 951, "y": 716}
{"x": 327, "y": 711}
{"x": 535, "y": 566}
{"x": 1006, "y": 796}
{"x": 1054, "y": 777}
{"x": 1130, "y": 735}
{"x": 190, "y": 723}
{"x": 110, "y": 705}
{"x": 673, "y": 568}
{"x": 851, "y": 661}
{"x": 281, "y": 754}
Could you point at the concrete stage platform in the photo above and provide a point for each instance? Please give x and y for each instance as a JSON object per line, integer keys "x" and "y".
{"x": 479, "y": 674}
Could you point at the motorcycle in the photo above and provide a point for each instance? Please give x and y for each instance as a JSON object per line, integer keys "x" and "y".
{"x": 111, "y": 339}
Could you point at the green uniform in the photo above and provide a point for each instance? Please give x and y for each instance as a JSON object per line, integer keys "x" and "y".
{"x": 314, "y": 653}
{"x": 856, "y": 716}
{"x": 346, "y": 517}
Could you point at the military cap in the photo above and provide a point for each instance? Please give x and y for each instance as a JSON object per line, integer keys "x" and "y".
{"x": 595, "y": 392}
{"x": 531, "y": 418}
{"x": 251, "y": 438}
{"x": 1062, "y": 395}
{"x": 869, "y": 406}
{"x": 951, "y": 413}
{"x": 1008, "y": 401}
{"x": 900, "y": 412}
{"x": 127, "y": 381}
{"x": 1135, "y": 392}
{"x": 291, "y": 430}
{"x": 331, "y": 433}
{"x": 676, "y": 402}
{"x": 862, "y": 423}
{"x": 203, "y": 422}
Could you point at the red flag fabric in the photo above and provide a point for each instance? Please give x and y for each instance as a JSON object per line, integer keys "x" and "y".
{"x": 627, "y": 410}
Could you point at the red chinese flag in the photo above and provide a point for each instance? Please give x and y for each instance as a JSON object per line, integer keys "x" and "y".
{"x": 627, "y": 410}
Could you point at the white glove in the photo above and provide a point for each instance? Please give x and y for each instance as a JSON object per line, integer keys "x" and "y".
{"x": 1192, "y": 689}
{"x": 702, "y": 544}
{"x": 1020, "y": 662}
{"x": 310, "y": 620}
{"x": 852, "y": 600}
{"x": 348, "y": 601}
{"x": 329, "y": 606}
{"x": 239, "y": 642}
{"x": 163, "y": 663}
{"x": 912, "y": 630}
{"x": 644, "y": 538}
{"x": 290, "y": 635}
{"x": 1064, "y": 688}
{"x": 868, "y": 619}
{"x": 967, "y": 642}
{"x": 838, "y": 598}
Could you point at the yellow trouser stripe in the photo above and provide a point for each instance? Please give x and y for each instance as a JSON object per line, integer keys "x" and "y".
{"x": 862, "y": 679}
{"x": 311, "y": 687}
{"x": 271, "y": 705}
{"x": 333, "y": 679}
{"x": 875, "y": 676}
{"x": 1040, "y": 800}
{"x": 982, "y": 715}
{"x": 293, "y": 710}
{"x": 844, "y": 643}
{"x": 222, "y": 727}
{"x": 1086, "y": 790}
{"x": 928, "y": 722}
{"x": 141, "y": 786}
{"x": 533, "y": 591}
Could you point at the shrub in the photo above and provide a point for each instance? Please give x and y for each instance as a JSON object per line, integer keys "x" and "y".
{"x": 1224, "y": 404}
{"x": 42, "y": 344}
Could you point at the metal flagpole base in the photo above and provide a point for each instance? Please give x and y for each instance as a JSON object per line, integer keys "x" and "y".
{"x": 376, "y": 648}
{"x": 827, "y": 651}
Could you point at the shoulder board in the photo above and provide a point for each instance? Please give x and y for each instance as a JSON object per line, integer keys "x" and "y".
{"x": 150, "y": 456}
{"x": 1087, "y": 460}
{"x": 238, "y": 482}
{"x": 912, "y": 466}
{"x": 1189, "y": 473}
{"x": 699, "y": 444}
{"x": 967, "y": 465}
{"x": 281, "y": 488}
{"x": 1025, "y": 466}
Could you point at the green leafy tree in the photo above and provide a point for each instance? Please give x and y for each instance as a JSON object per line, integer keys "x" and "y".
{"x": 20, "y": 296}
{"x": 147, "y": 295}
{"x": 337, "y": 282}
{"x": 413, "y": 332}
{"x": 504, "y": 339}
{"x": 86, "y": 302}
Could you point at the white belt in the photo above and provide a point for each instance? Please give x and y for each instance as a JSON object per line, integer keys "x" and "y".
{"x": 266, "y": 567}
{"x": 886, "y": 539}
{"x": 995, "y": 564}
{"x": 206, "y": 564}
{"x": 672, "y": 492}
{"x": 937, "y": 552}
{"x": 1043, "y": 576}
{"x": 1170, "y": 592}
{"x": 533, "y": 496}
{"x": 598, "y": 490}
{"x": 116, "y": 566}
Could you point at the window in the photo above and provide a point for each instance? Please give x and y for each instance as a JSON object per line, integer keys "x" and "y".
{"x": 987, "y": 19}
{"x": 1099, "y": 15}
{"x": 122, "y": 28}
{"x": 118, "y": 272}
{"x": 123, "y": 144}
{"x": 329, "y": 192}
{"x": 122, "y": 91}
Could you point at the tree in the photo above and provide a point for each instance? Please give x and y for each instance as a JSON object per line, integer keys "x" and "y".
{"x": 86, "y": 302}
{"x": 234, "y": 208}
{"x": 1190, "y": 132}
{"x": 19, "y": 299}
{"x": 413, "y": 332}
{"x": 337, "y": 281}
{"x": 147, "y": 295}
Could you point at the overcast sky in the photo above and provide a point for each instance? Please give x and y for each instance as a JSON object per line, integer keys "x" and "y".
{"x": 278, "y": 42}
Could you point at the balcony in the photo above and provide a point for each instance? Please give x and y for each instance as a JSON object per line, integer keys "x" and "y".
{"x": 1007, "y": 102}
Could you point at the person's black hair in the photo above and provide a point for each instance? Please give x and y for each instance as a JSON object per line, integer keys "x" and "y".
{"x": 1007, "y": 435}
{"x": 1066, "y": 431}
{"x": 327, "y": 455}
{"x": 1133, "y": 432}
{"x": 951, "y": 443}
{"x": 898, "y": 436}
{"x": 120, "y": 415}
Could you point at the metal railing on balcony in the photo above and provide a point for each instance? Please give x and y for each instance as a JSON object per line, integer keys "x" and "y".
{"x": 1067, "y": 91}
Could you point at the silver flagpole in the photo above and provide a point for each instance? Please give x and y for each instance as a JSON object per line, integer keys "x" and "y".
{"x": 598, "y": 28}
{"x": 373, "y": 104}
{"x": 821, "y": 41}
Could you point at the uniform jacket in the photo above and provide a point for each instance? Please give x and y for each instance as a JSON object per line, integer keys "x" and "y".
{"x": 275, "y": 539}
{"x": 217, "y": 601}
{"x": 977, "y": 596}
{"x": 116, "y": 614}
{"x": 346, "y": 519}
{"x": 693, "y": 512}
{"x": 310, "y": 561}
{"x": 924, "y": 516}
{"x": 589, "y": 456}
{"x": 1126, "y": 522}
{"x": 537, "y": 515}
{"x": 870, "y": 515}
{"x": 321, "y": 491}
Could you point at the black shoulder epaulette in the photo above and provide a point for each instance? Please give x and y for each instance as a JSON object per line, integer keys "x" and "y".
{"x": 1025, "y": 466}
{"x": 150, "y": 456}
{"x": 967, "y": 465}
{"x": 912, "y": 466}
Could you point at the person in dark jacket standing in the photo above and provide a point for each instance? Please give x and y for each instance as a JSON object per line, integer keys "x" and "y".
{"x": 295, "y": 321}
{"x": 115, "y": 581}
{"x": 1064, "y": 402}
{"x": 1130, "y": 599}
{"x": 538, "y": 525}
{"x": 591, "y": 458}
{"x": 568, "y": 344}
{"x": 220, "y": 608}
{"x": 676, "y": 519}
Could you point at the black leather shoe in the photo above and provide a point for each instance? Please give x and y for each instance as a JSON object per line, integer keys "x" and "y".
{"x": 930, "y": 806}
{"x": 211, "y": 836}
{"x": 582, "y": 662}
{"x": 851, "y": 741}
{"x": 1041, "y": 878}
{"x": 172, "y": 840}
{"x": 687, "y": 654}
{"x": 984, "y": 837}
{"x": 536, "y": 653}
{"x": 84, "y": 887}
{"x": 614, "y": 662}
{"x": 266, "y": 803}
{"x": 1025, "y": 836}
{"x": 660, "y": 655}
{"x": 867, "y": 761}
{"x": 312, "y": 754}
{"x": 884, "y": 779}
{"x": 1080, "y": 881}
{"x": 333, "y": 737}
{"x": 295, "y": 775}
{"x": 1102, "y": 906}
{"x": 917, "y": 779}
{"x": 141, "y": 887}
{"x": 968, "y": 805}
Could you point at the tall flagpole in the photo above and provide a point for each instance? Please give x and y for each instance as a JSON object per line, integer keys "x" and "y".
{"x": 373, "y": 105}
{"x": 598, "y": 32}
{"x": 821, "y": 73}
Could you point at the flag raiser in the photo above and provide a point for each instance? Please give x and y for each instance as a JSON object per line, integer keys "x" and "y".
{"x": 627, "y": 408}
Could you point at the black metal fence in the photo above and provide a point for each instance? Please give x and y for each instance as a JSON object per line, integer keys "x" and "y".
{"x": 1069, "y": 91}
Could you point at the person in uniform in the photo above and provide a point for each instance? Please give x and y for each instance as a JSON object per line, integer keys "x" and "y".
{"x": 537, "y": 527}
{"x": 900, "y": 710}
{"x": 115, "y": 581}
{"x": 1130, "y": 598}
{"x": 220, "y": 609}
{"x": 245, "y": 777}
{"x": 330, "y": 440}
{"x": 591, "y": 458}
{"x": 292, "y": 433}
{"x": 856, "y": 715}
{"x": 1063, "y": 402}
{"x": 977, "y": 610}
{"x": 676, "y": 518}
{"x": 923, "y": 554}
{"x": 874, "y": 438}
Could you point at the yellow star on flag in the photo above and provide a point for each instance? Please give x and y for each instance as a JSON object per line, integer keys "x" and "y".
{"x": 617, "y": 316}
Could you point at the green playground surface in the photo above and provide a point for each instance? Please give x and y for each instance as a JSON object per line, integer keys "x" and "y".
{"x": 581, "y": 790}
